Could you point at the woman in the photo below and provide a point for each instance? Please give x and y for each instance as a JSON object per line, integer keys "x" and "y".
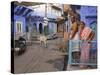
{"x": 86, "y": 35}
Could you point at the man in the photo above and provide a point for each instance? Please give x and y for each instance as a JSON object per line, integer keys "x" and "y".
{"x": 74, "y": 36}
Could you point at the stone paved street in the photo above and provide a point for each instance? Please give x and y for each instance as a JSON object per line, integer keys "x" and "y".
{"x": 39, "y": 59}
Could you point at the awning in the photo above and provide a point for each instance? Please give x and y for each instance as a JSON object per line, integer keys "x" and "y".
{"x": 20, "y": 10}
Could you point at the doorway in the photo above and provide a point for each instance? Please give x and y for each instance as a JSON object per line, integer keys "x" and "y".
{"x": 40, "y": 28}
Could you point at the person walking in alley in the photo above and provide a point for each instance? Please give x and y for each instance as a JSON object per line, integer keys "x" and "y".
{"x": 86, "y": 35}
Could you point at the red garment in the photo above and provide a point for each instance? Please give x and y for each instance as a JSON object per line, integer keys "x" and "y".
{"x": 87, "y": 35}
{"x": 85, "y": 47}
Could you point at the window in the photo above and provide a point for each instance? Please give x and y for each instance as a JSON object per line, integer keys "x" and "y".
{"x": 18, "y": 26}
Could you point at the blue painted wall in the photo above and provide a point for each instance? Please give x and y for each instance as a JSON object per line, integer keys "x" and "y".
{"x": 88, "y": 11}
{"x": 91, "y": 12}
{"x": 22, "y": 19}
{"x": 37, "y": 21}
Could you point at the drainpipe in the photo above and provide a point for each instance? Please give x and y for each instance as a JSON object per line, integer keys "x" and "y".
{"x": 45, "y": 21}
{"x": 66, "y": 55}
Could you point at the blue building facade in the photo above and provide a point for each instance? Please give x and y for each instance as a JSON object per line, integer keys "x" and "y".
{"x": 28, "y": 16}
{"x": 19, "y": 15}
{"x": 89, "y": 16}
{"x": 22, "y": 20}
{"x": 51, "y": 13}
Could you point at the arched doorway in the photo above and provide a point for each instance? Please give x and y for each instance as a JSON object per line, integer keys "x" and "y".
{"x": 34, "y": 27}
{"x": 40, "y": 28}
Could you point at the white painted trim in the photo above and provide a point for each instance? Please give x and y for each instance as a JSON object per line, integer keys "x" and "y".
{"x": 16, "y": 26}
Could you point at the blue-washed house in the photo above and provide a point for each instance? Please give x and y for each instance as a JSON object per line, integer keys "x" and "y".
{"x": 52, "y": 11}
{"x": 19, "y": 15}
